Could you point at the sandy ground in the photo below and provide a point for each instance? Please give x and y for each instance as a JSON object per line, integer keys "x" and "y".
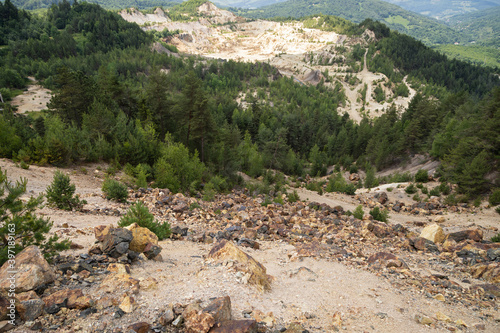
{"x": 33, "y": 99}
{"x": 366, "y": 301}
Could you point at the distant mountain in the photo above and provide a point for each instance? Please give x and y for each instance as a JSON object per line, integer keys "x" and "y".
{"x": 246, "y": 3}
{"x": 482, "y": 27}
{"x": 421, "y": 27}
{"x": 109, "y": 4}
{"x": 444, "y": 9}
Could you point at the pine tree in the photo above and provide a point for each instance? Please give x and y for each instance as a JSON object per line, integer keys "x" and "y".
{"x": 19, "y": 226}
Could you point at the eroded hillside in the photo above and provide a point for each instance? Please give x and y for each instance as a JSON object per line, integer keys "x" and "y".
{"x": 311, "y": 56}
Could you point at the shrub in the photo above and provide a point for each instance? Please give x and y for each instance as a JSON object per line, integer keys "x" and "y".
{"x": 379, "y": 215}
{"x": 209, "y": 192}
{"x": 496, "y": 238}
{"x": 422, "y": 176}
{"x": 425, "y": 190}
{"x": 19, "y": 224}
{"x": 494, "y": 198}
{"x": 417, "y": 198}
{"x": 139, "y": 213}
{"x": 293, "y": 197}
{"x": 60, "y": 193}
{"x": 337, "y": 183}
{"x": 358, "y": 212}
{"x": 114, "y": 190}
{"x": 435, "y": 192}
{"x": 445, "y": 188}
{"x": 451, "y": 200}
{"x": 497, "y": 209}
{"x": 194, "y": 206}
{"x": 411, "y": 189}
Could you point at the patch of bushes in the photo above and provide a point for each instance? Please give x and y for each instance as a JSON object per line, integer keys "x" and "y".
{"x": 358, "y": 212}
{"x": 115, "y": 190}
{"x": 494, "y": 198}
{"x": 422, "y": 176}
{"x": 139, "y": 213}
{"x": 316, "y": 186}
{"x": 435, "y": 192}
{"x": 445, "y": 188}
{"x": 411, "y": 189}
{"x": 379, "y": 215}
{"x": 293, "y": 197}
{"x": 61, "y": 193}
{"x": 337, "y": 183}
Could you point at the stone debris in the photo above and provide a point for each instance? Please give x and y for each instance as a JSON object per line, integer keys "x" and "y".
{"x": 52, "y": 296}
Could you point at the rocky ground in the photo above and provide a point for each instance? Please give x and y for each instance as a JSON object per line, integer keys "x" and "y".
{"x": 298, "y": 266}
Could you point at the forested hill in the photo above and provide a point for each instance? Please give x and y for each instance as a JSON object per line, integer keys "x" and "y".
{"x": 421, "y": 27}
{"x": 176, "y": 121}
{"x": 445, "y": 9}
{"x": 482, "y": 27}
{"x": 109, "y": 4}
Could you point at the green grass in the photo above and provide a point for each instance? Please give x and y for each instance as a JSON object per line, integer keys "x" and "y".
{"x": 398, "y": 19}
{"x": 481, "y": 55}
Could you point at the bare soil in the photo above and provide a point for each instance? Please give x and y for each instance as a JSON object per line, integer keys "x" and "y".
{"x": 366, "y": 301}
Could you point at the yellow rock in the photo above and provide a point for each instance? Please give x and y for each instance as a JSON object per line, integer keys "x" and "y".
{"x": 442, "y": 317}
{"x": 460, "y": 322}
{"x": 227, "y": 250}
{"x": 128, "y": 304}
{"x": 433, "y": 233}
{"x": 119, "y": 268}
{"x": 142, "y": 236}
{"x": 440, "y": 219}
{"x": 439, "y": 297}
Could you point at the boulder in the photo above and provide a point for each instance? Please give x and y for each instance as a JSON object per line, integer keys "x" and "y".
{"x": 382, "y": 198}
{"x": 490, "y": 272}
{"x": 235, "y": 326}
{"x": 473, "y": 234}
{"x": 152, "y": 251}
{"x": 423, "y": 244}
{"x": 4, "y": 303}
{"x": 141, "y": 237}
{"x": 198, "y": 322}
{"x": 141, "y": 327}
{"x": 220, "y": 309}
{"x": 101, "y": 231}
{"x": 66, "y": 298}
{"x": 254, "y": 271}
{"x": 119, "y": 268}
{"x": 29, "y": 305}
{"x": 120, "y": 281}
{"x": 128, "y": 304}
{"x": 385, "y": 259}
{"x": 434, "y": 233}
{"x": 168, "y": 316}
{"x": 116, "y": 242}
{"x": 32, "y": 271}
{"x": 379, "y": 229}
{"x": 5, "y": 326}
